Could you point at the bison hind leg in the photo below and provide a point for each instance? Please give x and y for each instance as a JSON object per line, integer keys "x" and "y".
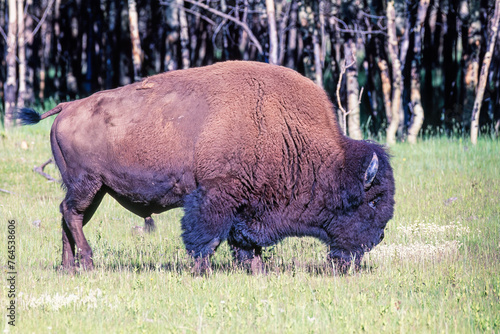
{"x": 149, "y": 224}
{"x": 77, "y": 208}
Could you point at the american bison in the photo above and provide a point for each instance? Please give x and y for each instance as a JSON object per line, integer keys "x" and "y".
{"x": 251, "y": 151}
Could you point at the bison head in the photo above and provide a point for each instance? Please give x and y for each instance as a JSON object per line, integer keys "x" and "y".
{"x": 364, "y": 205}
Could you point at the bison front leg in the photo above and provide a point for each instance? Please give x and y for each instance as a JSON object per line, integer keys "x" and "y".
{"x": 251, "y": 258}
{"x": 244, "y": 244}
{"x": 205, "y": 224}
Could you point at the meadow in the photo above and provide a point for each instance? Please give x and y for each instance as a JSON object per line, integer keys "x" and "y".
{"x": 437, "y": 270}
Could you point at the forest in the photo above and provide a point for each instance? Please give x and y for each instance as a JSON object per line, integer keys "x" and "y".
{"x": 394, "y": 70}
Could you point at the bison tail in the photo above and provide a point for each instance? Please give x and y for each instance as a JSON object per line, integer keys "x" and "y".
{"x": 29, "y": 116}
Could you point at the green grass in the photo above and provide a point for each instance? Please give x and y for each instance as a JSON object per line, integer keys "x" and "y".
{"x": 437, "y": 270}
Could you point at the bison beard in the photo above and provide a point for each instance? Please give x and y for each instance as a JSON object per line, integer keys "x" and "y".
{"x": 252, "y": 152}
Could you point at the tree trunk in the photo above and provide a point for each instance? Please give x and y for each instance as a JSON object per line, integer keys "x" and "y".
{"x": 243, "y": 44}
{"x": 184, "y": 35}
{"x": 134, "y": 37}
{"x": 451, "y": 68}
{"x": 172, "y": 37}
{"x": 396, "y": 74}
{"x": 472, "y": 49}
{"x": 31, "y": 61}
{"x": 55, "y": 63}
{"x": 386, "y": 88}
{"x": 418, "y": 111}
{"x": 46, "y": 36}
{"x": 21, "y": 55}
{"x": 291, "y": 52}
{"x": 3, "y": 51}
{"x": 352, "y": 90}
{"x": 484, "y": 75}
{"x": 286, "y": 7}
{"x": 416, "y": 102}
{"x": 403, "y": 44}
{"x": 11, "y": 82}
{"x": 273, "y": 34}
{"x": 318, "y": 68}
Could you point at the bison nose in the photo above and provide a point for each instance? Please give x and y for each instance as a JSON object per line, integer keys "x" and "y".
{"x": 381, "y": 236}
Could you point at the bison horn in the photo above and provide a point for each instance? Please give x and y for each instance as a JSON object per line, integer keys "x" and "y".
{"x": 371, "y": 171}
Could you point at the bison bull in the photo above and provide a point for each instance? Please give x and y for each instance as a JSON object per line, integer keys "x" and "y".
{"x": 252, "y": 152}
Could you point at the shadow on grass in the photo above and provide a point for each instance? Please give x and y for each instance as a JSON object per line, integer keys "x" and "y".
{"x": 273, "y": 267}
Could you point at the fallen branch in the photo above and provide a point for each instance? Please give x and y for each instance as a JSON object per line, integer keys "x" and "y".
{"x": 343, "y": 68}
{"x": 39, "y": 170}
{"x": 6, "y": 191}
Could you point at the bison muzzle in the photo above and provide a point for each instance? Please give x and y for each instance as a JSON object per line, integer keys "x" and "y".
{"x": 251, "y": 151}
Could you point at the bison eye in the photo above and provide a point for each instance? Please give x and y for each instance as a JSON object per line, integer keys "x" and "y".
{"x": 373, "y": 202}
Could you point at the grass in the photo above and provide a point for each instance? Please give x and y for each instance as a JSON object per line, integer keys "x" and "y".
{"x": 437, "y": 270}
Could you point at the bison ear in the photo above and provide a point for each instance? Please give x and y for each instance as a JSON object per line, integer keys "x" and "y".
{"x": 371, "y": 171}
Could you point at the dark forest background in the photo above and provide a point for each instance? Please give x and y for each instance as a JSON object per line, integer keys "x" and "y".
{"x": 410, "y": 66}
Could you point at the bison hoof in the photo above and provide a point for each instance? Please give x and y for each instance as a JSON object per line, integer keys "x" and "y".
{"x": 85, "y": 264}
{"x": 257, "y": 266}
{"x": 253, "y": 266}
{"x": 202, "y": 267}
{"x": 343, "y": 267}
{"x": 67, "y": 269}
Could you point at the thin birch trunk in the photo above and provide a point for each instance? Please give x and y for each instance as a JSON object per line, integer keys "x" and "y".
{"x": 111, "y": 44}
{"x": 172, "y": 19}
{"x": 396, "y": 74}
{"x": 134, "y": 37}
{"x": 273, "y": 34}
{"x": 243, "y": 44}
{"x": 416, "y": 102}
{"x": 286, "y": 9}
{"x": 386, "y": 88}
{"x": 11, "y": 82}
{"x": 46, "y": 35}
{"x": 472, "y": 48}
{"x": 56, "y": 62}
{"x": 225, "y": 44}
{"x": 418, "y": 111}
{"x": 291, "y": 52}
{"x": 318, "y": 69}
{"x": 403, "y": 45}
{"x": 126, "y": 72}
{"x": 352, "y": 90}
{"x": 474, "y": 130}
{"x": 29, "y": 96}
{"x": 184, "y": 35}
{"x": 471, "y": 83}
{"x": 21, "y": 55}
{"x": 323, "y": 34}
